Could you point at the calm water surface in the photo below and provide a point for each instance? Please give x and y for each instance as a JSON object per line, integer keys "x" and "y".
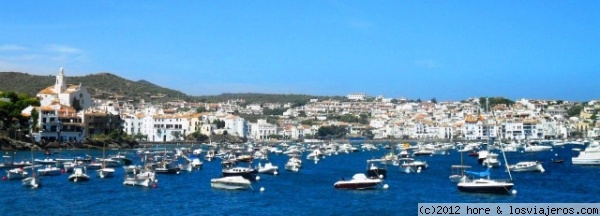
{"x": 307, "y": 192}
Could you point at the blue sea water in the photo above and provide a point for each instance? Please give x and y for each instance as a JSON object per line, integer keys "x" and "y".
{"x": 307, "y": 192}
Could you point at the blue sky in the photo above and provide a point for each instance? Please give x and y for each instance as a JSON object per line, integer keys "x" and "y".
{"x": 448, "y": 50}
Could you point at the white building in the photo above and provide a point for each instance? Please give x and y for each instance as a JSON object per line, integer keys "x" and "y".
{"x": 261, "y": 130}
{"x": 61, "y": 111}
{"x": 356, "y": 97}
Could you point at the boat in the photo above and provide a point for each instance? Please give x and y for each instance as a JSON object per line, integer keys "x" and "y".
{"x": 292, "y": 166}
{"x": 537, "y": 148}
{"x": 483, "y": 184}
{"x": 231, "y": 183}
{"x": 105, "y": 171}
{"x": 409, "y": 165}
{"x": 210, "y": 155}
{"x": 166, "y": 168}
{"x": 358, "y": 182}
{"x": 247, "y": 173}
{"x": 268, "y": 168}
{"x": 143, "y": 178}
{"x": 458, "y": 173}
{"x": 491, "y": 160}
{"x": 527, "y": 166}
{"x": 589, "y": 156}
{"x": 16, "y": 173}
{"x": 49, "y": 170}
{"x": 376, "y": 168}
{"x": 34, "y": 180}
{"x": 79, "y": 174}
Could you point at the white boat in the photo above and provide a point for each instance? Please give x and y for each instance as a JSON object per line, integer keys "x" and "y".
{"x": 231, "y": 183}
{"x": 527, "y": 166}
{"x": 491, "y": 160}
{"x": 49, "y": 170}
{"x": 143, "y": 178}
{"x": 105, "y": 172}
{"x": 358, "y": 182}
{"x": 32, "y": 182}
{"x": 79, "y": 175}
{"x": 292, "y": 166}
{"x": 590, "y": 156}
{"x": 210, "y": 155}
{"x": 16, "y": 173}
{"x": 458, "y": 173}
{"x": 483, "y": 185}
{"x": 268, "y": 168}
{"x": 537, "y": 148}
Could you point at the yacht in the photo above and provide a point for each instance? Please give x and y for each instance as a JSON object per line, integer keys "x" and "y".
{"x": 590, "y": 156}
{"x": 527, "y": 166}
{"x": 16, "y": 173}
{"x": 139, "y": 177}
{"x": 268, "y": 168}
{"x": 231, "y": 183}
{"x": 358, "y": 182}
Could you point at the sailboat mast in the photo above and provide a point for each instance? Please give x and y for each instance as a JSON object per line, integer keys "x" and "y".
{"x": 499, "y": 135}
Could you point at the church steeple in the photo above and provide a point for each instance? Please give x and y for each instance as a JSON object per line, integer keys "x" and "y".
{"x": 60, "y": 85}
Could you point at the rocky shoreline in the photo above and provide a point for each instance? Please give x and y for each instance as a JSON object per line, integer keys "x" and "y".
{"x": 8, "y": 144}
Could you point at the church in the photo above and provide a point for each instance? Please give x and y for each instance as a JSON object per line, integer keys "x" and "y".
{"x": 61, "y": 112}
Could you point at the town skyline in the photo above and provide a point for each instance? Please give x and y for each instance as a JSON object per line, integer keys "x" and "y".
{"x": 394, "y": 48}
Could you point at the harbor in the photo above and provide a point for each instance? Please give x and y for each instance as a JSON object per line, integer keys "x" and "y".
{"x": 307, "y": 191}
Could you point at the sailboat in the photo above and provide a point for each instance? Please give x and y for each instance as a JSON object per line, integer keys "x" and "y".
{"x": 34, "y": 180}
{"x": 104, "y": 171}
{"x": 458, "y": 171}
{"x": 482, "y": 183}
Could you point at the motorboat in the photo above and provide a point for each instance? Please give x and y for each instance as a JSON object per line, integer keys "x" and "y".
{"x": 483, "y": 184}
{"x": 166, "y": 168}
{"x": 45, "y": 161}
{"x": 590, "y": 156}
{"x": 358, "y": 182}
{"x": 409, "y": 165}
{"x": 49, "y": 170}
{"x": 292, "y": 166}
{"x": 491, "y": 160}
{"x": 246, "y": 172}
{"x": 537, "y": 148}
{"x": 210, "y": 155}
{"x": 79, "y": 175}
{"x": 231, "y": 183}
{"x": 105, "y": 172}
{"x": 268, "y": 168}
{"x": 527, "y": 166}
{"x": 16, "y": 173}
{"x": 423, "y": 152}
{"x": 376, "y": 168}
{"x": 143, "y": 178}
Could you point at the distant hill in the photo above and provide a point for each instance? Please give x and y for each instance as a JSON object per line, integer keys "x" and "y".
{"x": 100, "y": 86}
{"x": 110, "y": 86}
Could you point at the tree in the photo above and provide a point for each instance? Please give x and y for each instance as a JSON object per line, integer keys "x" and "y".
{"x": 302, "y": 114}
{"x": 575, "y": 110}
{"x": 176, "y": 134}
{"x": 433, "y": 100}
{"x": 201, "y": 109}
{"x": 219, "y": 123}
{"x": 332, "y": 131}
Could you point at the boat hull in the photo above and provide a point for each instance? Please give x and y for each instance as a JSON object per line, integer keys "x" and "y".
{"x": 356, "y": 186}
{"x": 496, "y": 188}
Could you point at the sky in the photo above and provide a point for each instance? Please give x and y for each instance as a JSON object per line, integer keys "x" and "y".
{"x": 447, "y": 50}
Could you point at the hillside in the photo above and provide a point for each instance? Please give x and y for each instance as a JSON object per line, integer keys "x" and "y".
{"x": 101, "y": 86}
{"x": 110, "y": 86}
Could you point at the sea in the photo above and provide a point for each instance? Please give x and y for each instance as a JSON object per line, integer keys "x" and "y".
{"x": 309, "y": 191}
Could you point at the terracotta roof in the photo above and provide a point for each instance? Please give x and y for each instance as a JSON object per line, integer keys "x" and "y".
{"x": 48, "y": 90}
